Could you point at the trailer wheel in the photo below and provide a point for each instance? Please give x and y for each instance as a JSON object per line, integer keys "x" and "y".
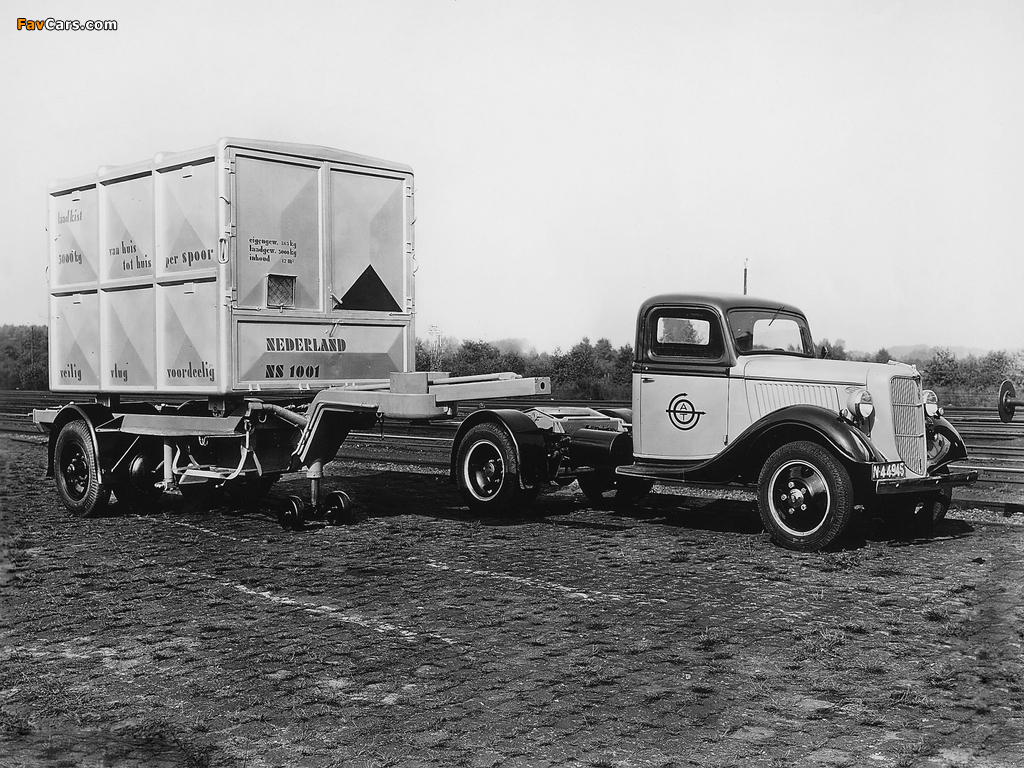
{"x": 77, "y": 471}
{"x": 488, "y": 471}
{"x": 606, "y": 490}
{"x": 805, "y": 497}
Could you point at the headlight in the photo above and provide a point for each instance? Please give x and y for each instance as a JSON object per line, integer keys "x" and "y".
{"x": 931, "y": 404}
{"x": 859, "y": 403}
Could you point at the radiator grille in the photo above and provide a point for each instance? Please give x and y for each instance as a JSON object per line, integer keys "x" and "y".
{"x": 908, "y": 423}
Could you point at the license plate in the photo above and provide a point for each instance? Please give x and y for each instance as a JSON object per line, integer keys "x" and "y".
{"x": 888, "y": 471}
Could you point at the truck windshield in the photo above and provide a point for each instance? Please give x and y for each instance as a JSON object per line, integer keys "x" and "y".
{"x": 775, "y": 331}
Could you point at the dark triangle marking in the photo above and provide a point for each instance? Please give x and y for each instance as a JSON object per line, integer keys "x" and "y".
{"x": 369, "y": 293}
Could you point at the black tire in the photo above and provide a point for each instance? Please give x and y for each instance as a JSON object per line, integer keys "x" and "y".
{"x": 77, "y": 471}
{"x": 488, "y": 471}
{"x": 606, "y": 490}
{"x": 805, "y": 497}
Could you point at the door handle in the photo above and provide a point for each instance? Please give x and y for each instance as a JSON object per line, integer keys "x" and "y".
{"x": 646, "y": 379}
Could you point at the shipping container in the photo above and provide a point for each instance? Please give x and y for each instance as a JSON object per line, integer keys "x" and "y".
{"x": 247, "y": 266}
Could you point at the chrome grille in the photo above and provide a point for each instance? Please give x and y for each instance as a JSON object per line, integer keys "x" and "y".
{"x": 908, "y": 423}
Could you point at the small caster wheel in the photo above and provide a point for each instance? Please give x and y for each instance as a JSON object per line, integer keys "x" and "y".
{"x": 290, "y": 513}
{"x": 337, "y": 508}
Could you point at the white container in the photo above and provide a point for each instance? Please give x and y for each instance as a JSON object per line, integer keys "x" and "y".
{"x": 248, "y": 266}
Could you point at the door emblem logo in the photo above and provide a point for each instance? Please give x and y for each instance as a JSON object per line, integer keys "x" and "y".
{"x": 682, "y": 414}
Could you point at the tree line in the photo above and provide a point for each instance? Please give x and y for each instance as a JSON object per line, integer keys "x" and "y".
{"x": 587, "y": 371}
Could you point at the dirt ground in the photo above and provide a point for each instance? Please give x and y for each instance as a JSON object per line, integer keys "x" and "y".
{"x": 673, "y": 635}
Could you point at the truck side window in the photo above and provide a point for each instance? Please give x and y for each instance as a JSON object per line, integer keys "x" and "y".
{"x": 686, "y": 333}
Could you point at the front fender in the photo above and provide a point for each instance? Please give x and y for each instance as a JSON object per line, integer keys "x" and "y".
{"x": 528, "y": 438}
{"x": 747, "y": 453}
{"x": 953, "y": 450}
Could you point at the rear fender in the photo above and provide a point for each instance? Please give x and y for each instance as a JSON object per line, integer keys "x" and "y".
{"x": 530, "y": 442}
{"x": 92, "y": 414}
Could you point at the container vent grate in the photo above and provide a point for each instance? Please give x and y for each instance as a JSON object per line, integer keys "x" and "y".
{"x": 280, "y": 290}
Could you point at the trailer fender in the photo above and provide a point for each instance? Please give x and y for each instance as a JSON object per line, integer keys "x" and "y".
{"x": 91, "y": 413}
{"x": 527, "y": 437}
{"x": 744, "y": 457}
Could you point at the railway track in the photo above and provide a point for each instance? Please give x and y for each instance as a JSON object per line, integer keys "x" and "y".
{"x": 995, "y": 448}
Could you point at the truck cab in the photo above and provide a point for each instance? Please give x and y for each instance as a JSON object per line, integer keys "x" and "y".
{"x": 729, "y": 390}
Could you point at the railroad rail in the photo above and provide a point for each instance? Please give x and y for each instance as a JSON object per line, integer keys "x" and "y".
{"x": 996, "y": 448}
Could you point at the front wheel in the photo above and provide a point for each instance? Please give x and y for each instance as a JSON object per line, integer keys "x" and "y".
{"x": 489, "y": 470}
{"x": 77, "y": 471}
{"x": 805, "y": 497}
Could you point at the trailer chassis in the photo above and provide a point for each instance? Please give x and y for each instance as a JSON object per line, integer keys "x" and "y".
{"x": 139, "y": 450}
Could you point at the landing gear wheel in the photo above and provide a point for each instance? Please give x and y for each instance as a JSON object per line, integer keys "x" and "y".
{"x": 605, "y": 490}
{"x": 489, "y": 472}
{"x": 290, "y": 513}
{"x": 77, "y": 471}
{"x": 337, "y": 508}
{"x": 805, "y": 497}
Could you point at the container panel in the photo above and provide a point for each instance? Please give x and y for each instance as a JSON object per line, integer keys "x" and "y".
{"x": 127, "y": 325}
{"x": 74, "y": 246}
{"x": 278, "y": 236}
{"x": 186, "y": 221}
{"x": 127, "y": 243}
{"x": 368, "y": 242}
{"x": 75, "y": 342}
{"x": 187, "y": 338}
{"x": 287, "y": 355}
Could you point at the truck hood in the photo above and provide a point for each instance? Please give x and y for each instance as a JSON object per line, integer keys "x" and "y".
{"x": 793, "y": 369}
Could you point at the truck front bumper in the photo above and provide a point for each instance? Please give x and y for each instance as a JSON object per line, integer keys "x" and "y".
{"x": 924, "y": 484}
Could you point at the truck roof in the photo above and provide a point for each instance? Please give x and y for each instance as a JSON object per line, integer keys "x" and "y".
{"x": 722, "y": 302}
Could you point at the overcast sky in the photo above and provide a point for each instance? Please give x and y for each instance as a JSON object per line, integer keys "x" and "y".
{"x": 573, "y": 158}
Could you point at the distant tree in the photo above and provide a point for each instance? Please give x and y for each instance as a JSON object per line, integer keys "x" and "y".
{"x": 474, "y": 358}
{"x": 24, "y": 352}
{"x": 835, "y": 350}
{"x": 882, "y": 356}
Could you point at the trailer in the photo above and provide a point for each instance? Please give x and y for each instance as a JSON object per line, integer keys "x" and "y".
{"x": 231, "y": 313}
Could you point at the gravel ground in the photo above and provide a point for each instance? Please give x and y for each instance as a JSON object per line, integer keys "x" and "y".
{"x": 673, "y": 635}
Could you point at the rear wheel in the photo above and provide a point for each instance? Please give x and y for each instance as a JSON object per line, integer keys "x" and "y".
{"x": 489, "y": 471}
{"x": 805, "y": 497}
{"x": 77, "y": 471}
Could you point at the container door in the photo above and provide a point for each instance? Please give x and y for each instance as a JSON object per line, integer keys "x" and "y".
{"x": 278, "y": 243}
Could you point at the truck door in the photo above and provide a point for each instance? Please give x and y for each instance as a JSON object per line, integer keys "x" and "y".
{"x": 682, "y": 386}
